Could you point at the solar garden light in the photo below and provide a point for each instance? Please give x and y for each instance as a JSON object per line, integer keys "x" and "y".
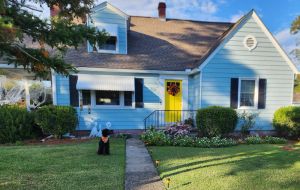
{"x": 157, "y": 163}
{"x": 168, "y": 182}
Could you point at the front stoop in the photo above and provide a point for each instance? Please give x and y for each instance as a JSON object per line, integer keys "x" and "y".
{"x": 140, "y": 172}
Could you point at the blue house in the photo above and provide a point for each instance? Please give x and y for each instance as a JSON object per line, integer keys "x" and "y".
{"x": 150, "y": 64}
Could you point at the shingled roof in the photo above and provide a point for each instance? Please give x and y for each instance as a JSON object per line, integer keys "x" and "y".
{"x": 171, "y": 45}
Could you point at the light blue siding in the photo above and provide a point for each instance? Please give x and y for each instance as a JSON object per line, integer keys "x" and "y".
{"x": 106, "y": 16}
{"x": 131, "y": 118}
{"x": 234, "y": 61}
{"x": 194, "y": 92}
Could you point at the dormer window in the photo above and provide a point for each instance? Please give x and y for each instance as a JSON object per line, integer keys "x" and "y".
{"x": 109, "y": 45}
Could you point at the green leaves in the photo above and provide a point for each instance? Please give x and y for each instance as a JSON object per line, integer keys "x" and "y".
{"x": 39, "y": 45}
{"x": 295, "y": 26}
{"x": 216, "y": 120}
{"x": 287, "y": 121}
{"x": 16, "y": 124}
{"x": 56, "y": 120}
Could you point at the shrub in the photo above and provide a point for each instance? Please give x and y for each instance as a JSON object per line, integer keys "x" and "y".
{"x": 56, "y": 120}
{"x": 266, "y": 140}
{"x": 178, "y": 130}
{"x": 189, "y": 121}
{"x": 287, "y": 121}
{"x": 155, "y": 138}
{"x": 216, "y": 120}
{"x": 247, "y": 120}
{"x": 183, "y": 141}
{"x": 253, "y": 140}
{"x": 16, "y": 124}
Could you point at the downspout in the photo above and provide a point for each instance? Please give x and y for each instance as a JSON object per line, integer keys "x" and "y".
{"x": 53, "y": 87}
{"x": 200, "y": 90}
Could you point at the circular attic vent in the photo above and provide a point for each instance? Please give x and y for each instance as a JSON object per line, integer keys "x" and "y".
{"x": 250, "y": 42}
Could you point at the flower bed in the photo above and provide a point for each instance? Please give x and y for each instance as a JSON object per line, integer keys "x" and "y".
{"x": 160, "y": 138}
{"x": 266, "y": 140}
{"x": 168, "y": 138}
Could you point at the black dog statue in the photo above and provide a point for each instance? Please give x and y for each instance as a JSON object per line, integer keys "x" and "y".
{"x": 104, "y": 143}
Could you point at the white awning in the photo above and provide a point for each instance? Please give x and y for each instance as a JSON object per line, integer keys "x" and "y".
{"x": 100, "y": 82}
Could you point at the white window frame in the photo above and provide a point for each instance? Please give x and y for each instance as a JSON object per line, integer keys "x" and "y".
{"x": 112, "y": 30}
{"x": 121, "y": 100}
{"x": 255, "y": 93}
{"x": 110, "y": 51}
{"x": 80, "y": 97}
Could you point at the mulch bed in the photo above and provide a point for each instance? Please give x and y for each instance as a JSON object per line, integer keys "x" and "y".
{"x": 57, "y": 141}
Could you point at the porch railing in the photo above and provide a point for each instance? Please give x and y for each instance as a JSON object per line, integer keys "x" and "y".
{"x": 163, "y": 118}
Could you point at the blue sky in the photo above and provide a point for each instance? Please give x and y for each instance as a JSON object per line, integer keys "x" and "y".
{"x": 276, "y": 14}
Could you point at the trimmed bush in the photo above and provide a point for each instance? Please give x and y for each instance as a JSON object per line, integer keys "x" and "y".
{"x": 215, "y": 120}
{"x": 287, "y": 121}
{"x": 56, "y": 120}
{"x": 16, "y": 124}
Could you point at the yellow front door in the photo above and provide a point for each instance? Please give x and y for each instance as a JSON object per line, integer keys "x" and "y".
{"x": 173, "y": 100}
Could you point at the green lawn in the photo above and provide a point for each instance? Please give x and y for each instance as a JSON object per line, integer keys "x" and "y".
{"x": 73, "y": 166}
{"x": 238, "y": 167}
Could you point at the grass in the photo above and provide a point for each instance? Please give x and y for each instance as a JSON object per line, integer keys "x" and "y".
{"x": 240, "y": 167}
{"x": 72, "y": 166}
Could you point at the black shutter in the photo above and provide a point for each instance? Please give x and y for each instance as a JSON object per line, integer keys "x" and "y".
{"x": 262, "y": 91}
{"x": 139, "y": 97}
{"x": 234, "y": 93}
{"x": 74, "y": 97}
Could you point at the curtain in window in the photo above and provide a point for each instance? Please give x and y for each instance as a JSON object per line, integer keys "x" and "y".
{"x": 247, "y": 93}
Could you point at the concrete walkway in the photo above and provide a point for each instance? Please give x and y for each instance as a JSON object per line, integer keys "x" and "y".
{"x": 140, "y": 172}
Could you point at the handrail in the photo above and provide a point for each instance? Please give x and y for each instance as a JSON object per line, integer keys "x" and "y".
{"x": 150, "y": 114}
{"x": 163, "y": 118}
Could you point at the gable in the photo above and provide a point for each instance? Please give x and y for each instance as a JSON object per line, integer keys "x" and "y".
{"x": 113, "y": 21}
{"x": 111, "y": 9}
{"x": 267, "y": 48}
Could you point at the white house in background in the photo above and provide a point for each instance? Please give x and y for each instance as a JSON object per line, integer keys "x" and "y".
{"x": 151, "y": 64}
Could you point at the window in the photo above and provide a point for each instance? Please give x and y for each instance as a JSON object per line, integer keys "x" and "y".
{"x": 86, "y": 97}
{"x": 128, "y": 98}
{"x": 247, "y": 93}
{"x": 107, "y": 98}
{"x": 110, "y": 44}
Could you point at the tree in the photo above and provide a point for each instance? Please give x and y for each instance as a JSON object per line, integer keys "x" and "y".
{"x": 53, "y": 37}
{"x": 295, "y": 25}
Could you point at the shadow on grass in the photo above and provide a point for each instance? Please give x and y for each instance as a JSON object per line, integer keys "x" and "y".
{"x": 243, "y": 162}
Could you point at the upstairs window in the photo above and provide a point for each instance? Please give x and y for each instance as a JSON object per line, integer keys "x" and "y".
{"x": 109, "y": 45}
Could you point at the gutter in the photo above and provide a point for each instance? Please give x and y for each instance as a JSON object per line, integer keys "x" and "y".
{"x": 186, "y": 72}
